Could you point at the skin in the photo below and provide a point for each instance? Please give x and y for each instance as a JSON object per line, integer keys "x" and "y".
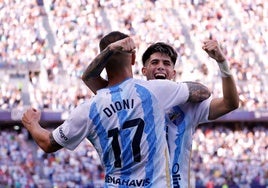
{"x": 44, "y": 138}
{"x": 159, "y": 66}
{"x": 230, "y": 99}
{"x": 91, "y": 76}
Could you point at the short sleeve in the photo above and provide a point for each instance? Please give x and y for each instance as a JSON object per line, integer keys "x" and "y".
{"x": 74, "y": 129}
{"x": 170, "y": 93}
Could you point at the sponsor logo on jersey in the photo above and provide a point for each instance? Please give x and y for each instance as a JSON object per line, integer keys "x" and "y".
{"x": 62, "y": 135}
{"x": 127, "y": 182}
{"x": 176, "y": 115}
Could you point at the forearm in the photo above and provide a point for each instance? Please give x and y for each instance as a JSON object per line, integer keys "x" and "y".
{"x": 41, "y": 136}
{"x": 230, "y": 99}
{"x": 96, "y": 83}
{"x": 230, "y": 94}
{"x": 95, "y": 68}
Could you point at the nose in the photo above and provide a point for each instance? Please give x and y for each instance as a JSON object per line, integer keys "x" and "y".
{"x": 160, "y": 66}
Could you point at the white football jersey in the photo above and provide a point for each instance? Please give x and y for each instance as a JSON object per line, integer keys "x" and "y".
{"x": 184, "y": 120}
{"x": 126, "y": 124}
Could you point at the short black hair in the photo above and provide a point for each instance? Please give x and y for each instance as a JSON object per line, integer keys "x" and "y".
{"x": 160, "y": 47}
{"x": 111, "y": 38}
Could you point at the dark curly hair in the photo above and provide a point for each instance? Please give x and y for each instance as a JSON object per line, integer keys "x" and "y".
{"x": 160, "y": 47}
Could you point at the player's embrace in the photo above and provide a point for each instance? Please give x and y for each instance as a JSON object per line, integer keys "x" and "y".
{"x": 125, "y": 121}
{"x": 158, "y": 63}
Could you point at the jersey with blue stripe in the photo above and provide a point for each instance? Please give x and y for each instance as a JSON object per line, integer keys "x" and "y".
{"x": 183, "y": 121}
{"x": 126, "y": 124}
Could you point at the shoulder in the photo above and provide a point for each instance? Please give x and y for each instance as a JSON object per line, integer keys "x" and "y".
{"x": 167, "y": 83}
{"x": 81, "y": 109}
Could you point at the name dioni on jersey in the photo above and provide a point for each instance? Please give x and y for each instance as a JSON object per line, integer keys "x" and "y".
{"x": 124, "y": 104}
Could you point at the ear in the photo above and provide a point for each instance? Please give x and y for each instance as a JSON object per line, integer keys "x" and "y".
{"x": 143, "y": 70}
{"x": 174, "y": 74}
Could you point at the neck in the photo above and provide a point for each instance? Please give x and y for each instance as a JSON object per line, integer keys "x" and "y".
{"x": 119, "y": 69}
{"x": 118, "y": 77}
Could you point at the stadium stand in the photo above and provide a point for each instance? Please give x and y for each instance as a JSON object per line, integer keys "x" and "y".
{"x": 45, "y": 46}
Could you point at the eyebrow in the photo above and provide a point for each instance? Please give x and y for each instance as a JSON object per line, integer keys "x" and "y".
{"x": 158, "y": 59}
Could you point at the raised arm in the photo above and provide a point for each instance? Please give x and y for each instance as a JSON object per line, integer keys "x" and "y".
{"x": 42, "y": 137}
{"x": 91, "y": 77}
{"x": 230, "y": 99}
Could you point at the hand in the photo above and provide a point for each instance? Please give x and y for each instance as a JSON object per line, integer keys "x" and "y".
{"x": 30, "y": 117}
{"x": 124, "y": 45}
{"x": 214, "y": 50}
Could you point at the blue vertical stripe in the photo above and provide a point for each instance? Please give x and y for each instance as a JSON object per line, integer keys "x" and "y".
{"x": 147, "y": 104}
{"x": 102, "y": 135}
{"x": 181, "y": 126}
{"x": 178, "y": 141}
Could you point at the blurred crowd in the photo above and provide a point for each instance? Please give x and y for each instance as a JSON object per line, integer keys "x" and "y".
{"x": 45, "y": 46}
{"x": 52, "y": 42}
{"x": 236, "y": 158}
{"x": 24, "y": 165}
{"x": 222, "y": 157}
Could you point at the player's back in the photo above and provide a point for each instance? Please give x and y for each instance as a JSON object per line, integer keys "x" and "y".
{"x": 129, "y": 135}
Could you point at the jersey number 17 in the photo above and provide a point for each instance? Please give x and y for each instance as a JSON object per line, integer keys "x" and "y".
{"x": 135, "y": 142}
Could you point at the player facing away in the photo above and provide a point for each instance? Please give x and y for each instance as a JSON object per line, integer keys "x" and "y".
{"x": 125, "y": 121}
{"x": 159, "y": 60}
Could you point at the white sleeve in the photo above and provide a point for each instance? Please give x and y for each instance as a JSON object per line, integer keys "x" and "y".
{"x": 170, "y": 93}
{"x": 200, "y": 112}
{"x": 74, "y": 129}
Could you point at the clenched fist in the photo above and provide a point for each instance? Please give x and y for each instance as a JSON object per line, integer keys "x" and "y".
{"x": 31, "y": 117}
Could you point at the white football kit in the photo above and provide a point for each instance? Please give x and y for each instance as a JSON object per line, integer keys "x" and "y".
{"x": 184, "y": 120}
{"x": 126, "y": 124}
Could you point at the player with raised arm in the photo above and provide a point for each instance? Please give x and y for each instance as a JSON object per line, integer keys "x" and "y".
{"x": 159, "y": 62}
